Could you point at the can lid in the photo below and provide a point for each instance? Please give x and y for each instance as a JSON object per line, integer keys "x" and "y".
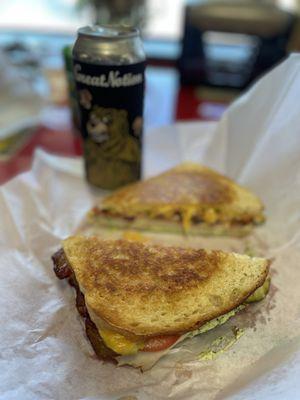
{"x": 108, "y": 32}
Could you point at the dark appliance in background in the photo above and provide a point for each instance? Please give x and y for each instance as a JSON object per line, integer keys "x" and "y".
{"x": 230, "y": 43}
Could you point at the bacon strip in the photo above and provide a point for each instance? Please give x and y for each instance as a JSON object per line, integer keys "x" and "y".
{"x": 63, "y": 270}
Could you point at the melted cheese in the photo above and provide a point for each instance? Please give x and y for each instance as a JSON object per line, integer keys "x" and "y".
{"x": 145, "y": 360}
{"x": 119, "y": 343}
{"x": 169, "y": 212}
{"x": 186, "y": 216}
{"x": 134, "y": 236}
{"x": 210, "y": 216}
{"x": 185, "y": 212}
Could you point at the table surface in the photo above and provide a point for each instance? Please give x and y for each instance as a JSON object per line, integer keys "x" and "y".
{"x": 165, "y": 103}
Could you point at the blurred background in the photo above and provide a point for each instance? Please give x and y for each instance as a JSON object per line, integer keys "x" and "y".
{"x": 201, "y": 55}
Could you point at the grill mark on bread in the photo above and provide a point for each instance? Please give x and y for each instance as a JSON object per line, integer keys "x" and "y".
{"x": 180, "y": 269}
{"x": 182, "y": 187}
{"x": 160, "y": 290}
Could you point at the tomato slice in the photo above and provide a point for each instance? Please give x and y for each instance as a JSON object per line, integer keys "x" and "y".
{"x": 159, "y": 343}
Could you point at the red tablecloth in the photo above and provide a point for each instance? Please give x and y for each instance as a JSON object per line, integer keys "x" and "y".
{"x": 59, "y": 142}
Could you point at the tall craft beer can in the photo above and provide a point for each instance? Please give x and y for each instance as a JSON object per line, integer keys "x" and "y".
{"x": 109, "y": 65}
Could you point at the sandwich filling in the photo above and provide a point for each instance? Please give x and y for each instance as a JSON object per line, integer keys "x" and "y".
{"x": 186, "y": 216}
{"x": 188, "y": 195}
{"x": 127, "y": 346}
{"x": 110, "y": 344}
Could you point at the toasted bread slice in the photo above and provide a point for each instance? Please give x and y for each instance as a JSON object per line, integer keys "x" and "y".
{"x": 140, "y": 289}
{"x": 190, "y": 196}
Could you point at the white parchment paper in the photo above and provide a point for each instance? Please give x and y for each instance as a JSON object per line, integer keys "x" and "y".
{"x": 43, "y": 351}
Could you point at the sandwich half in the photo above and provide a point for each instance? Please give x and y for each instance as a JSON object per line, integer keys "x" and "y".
{"x": 139, "y": 300}
{"x": 190, "y": 198}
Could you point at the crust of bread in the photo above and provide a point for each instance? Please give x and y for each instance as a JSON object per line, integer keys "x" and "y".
{"x": 147, "y": 290}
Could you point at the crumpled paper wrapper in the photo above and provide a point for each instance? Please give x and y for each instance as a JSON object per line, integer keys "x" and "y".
{"x": 43, "y": 350}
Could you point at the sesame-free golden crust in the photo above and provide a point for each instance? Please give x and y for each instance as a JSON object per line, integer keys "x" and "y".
{"x": 178, "y": 187}
{"x": 190, "y": 188}
{"x": 146, "y": 290}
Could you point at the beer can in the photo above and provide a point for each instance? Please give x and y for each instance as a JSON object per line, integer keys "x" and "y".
{"x": 108, "y": 67}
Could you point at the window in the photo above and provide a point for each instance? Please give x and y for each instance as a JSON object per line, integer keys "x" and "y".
{"x": 163, "y": 18}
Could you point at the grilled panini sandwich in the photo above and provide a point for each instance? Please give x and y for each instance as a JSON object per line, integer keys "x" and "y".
{"x": 139, "y": 300}
{"x": 189, "y": 198}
